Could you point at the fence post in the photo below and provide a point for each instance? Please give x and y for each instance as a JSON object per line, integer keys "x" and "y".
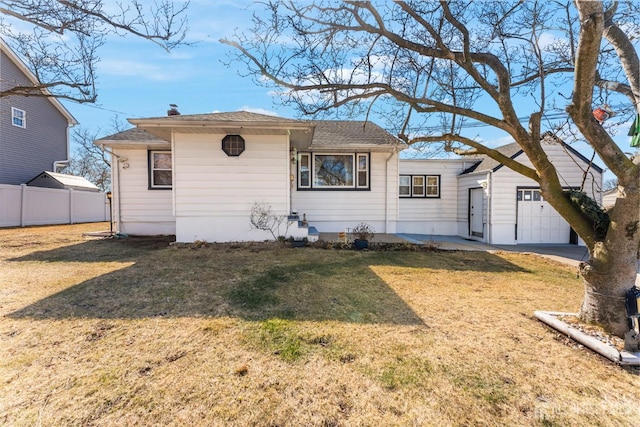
{"x": 23, "y": 205}
{"x": 71, "y": 198}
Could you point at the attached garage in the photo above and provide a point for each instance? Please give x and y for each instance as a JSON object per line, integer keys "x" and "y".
{"x": 537, "y": 221}
{"x": 499, "y": 206}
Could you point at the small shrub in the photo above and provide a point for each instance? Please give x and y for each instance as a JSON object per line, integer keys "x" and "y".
{"x": 363, "y": 231}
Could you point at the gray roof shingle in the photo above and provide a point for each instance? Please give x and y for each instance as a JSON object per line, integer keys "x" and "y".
{"x": 133, "y": 134}
{"x": 486, "y": 163}
{"x": 232, "y": 116}
{"x": 327, "y": 134}
{"x": 340, "y": 133}
{"x": 513, "y": 150}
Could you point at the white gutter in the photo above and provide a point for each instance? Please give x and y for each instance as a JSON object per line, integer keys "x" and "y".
{"x": 66, "y": 161}
{"x": 115, "y": 179}
{"x": 386, "y": 190}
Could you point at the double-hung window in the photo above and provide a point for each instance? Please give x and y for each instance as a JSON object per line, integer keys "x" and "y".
{"x": 333, "y": 171}
{"x": 419, "y": 186}
{"x": 160, "y": 170}
{"x": 18, "y": 118}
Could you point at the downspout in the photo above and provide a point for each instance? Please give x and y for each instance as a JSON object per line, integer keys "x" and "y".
{"x": 115, "y": 175}
{"x": 58, "y": 163}
{"x": 386, "y": 191}
{"x": 489, "y": 207}
{"x": 291, "y": 160}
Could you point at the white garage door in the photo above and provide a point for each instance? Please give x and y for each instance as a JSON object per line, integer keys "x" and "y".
{"x": 538, "y": 222}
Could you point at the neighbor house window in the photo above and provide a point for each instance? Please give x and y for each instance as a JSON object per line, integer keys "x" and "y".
{"x": 160, "y": 170}
{"x": 233, "y": 145}
{"x": 419, "y": 186}
{"x": 18, "y": 118}
{"x": 333, "y": 171}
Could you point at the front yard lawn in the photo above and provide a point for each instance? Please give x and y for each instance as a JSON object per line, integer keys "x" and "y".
{"x": 137, "y": 332}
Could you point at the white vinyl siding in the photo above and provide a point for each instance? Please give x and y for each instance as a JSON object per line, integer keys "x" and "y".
{"x": 214, "y": 193}
{"x": 142, "y": 211}
{"x": 430, "y": 215}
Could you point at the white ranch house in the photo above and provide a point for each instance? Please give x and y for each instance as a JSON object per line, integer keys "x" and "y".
{"x": 198, "y": 176}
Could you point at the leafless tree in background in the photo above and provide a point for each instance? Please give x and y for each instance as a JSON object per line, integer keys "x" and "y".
{"x": 59, "y": 39}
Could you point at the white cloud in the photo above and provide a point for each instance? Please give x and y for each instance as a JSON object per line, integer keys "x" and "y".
{"x": 120, "y": 67}
{"x": 496, "y": 142}
{"x": 258, "y": 110}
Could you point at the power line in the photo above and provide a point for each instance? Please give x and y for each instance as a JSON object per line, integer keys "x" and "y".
{"x": 477, "y": 123}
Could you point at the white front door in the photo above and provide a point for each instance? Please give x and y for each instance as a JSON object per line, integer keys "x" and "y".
{"x": 476, "y": 199}
{"x": 538, "y": 222}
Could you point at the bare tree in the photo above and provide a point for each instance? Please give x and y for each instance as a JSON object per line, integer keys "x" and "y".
{"x": 59, "y": 39}
{"x": 88, "y": 161}
{"x": 433, "y": 65}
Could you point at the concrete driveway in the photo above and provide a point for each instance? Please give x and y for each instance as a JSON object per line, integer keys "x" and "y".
{"x": 569, "y": 254}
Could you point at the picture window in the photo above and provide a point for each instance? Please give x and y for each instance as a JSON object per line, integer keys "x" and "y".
{"x": 333, "y": 171}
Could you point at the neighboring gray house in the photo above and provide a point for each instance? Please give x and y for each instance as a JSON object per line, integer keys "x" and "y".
{"x": 33, "y": 130}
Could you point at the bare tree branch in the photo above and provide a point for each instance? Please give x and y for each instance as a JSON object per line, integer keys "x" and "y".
{"x": 61, "y": 49}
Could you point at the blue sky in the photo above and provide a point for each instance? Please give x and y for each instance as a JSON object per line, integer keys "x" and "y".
{"x": 139, "y": 79}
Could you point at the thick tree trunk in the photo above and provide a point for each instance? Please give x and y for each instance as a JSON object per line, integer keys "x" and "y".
{"x": 612, "y": 268}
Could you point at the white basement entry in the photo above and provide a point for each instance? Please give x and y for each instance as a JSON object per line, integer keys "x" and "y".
{"x": 538, "y": 222}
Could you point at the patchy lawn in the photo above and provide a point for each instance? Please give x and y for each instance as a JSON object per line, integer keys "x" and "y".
{"x": 134, "y": 332}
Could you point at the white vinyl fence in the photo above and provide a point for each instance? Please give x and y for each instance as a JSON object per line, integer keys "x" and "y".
{"x": 21, "y": 205}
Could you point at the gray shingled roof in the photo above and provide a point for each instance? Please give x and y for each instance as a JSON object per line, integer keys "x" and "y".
{"x": 133, "y": 134}
{"x": 487, "y": 163}
{"x": 233, "y": 116}
{"x": 339, "y": 133}
{"x": 327, "y": 133}
{"x": 513, "y": 150}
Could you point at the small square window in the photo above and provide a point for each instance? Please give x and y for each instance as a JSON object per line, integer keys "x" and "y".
{"x": 160, "y": 170}
{"x": 405, "y": 186}
{"x": 18, "y": 118}
{"x": 418, "y": 186}
{"x": 433, "y": 186}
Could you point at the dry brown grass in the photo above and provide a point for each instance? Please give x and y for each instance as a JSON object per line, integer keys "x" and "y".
{"x": 133, "y": 332}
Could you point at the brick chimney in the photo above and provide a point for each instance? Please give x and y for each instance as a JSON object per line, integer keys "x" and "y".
{"x": 173, "y": 110}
